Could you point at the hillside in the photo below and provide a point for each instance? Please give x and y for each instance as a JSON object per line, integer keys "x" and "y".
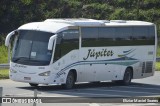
{"x": 14, "y": 13}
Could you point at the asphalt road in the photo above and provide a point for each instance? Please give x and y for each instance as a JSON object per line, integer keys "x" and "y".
{"x": 147, "y": 87}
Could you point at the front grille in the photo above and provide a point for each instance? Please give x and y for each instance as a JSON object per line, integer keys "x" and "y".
{"x": 149, "y": 67}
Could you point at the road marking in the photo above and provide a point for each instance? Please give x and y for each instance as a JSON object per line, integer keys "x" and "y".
{"x": 104, "y": 95}
{"x": 73, "y": 92}
{"x": 138, "y": 87}
{"x": 133, "y": 86}
{"x": 18, "y": 94}
{"x": 55, "y": 96}
{"x": 65, "y": 95}
{"x": 94, "y": 104}
{"x": 99, "y": 89}
{"x": 121, "y": 91}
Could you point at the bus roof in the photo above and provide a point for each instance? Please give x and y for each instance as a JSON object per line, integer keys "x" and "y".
{"x": 58, "y": 25}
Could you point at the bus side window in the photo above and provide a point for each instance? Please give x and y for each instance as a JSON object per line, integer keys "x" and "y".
{"x": 106, "y": 36}
{"x": 90, "y": 36}
{"x": 66, "y": 42}
{"x": 70, "y": 41}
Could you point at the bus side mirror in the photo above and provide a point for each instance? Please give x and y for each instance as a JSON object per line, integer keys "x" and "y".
{"x": 7, "y": 41}
{"x": 51, "y": 40}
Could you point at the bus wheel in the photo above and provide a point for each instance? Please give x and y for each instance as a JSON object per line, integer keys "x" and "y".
{"x": 34, "y": 85}
{"x": 127, "y": 77}
{"x": 70, "y": 81}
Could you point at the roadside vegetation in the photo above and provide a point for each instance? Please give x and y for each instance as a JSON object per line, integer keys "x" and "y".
{"x": 3, "y": 54}
{"x": 157, "y": 66}
{"x": 14, "y": 13}
{"x": 158, "y": 50}
{"x": 4, "y": 73}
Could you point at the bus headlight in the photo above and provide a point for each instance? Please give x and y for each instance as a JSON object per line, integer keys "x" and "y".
{"x": 45, "y": 73}
{"x": 13, "y": 71}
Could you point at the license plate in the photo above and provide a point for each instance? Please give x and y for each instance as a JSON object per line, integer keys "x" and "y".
{"x": 27, "y": 78}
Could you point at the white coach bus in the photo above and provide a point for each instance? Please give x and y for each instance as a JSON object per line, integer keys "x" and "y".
{"x": 65, "y": 51}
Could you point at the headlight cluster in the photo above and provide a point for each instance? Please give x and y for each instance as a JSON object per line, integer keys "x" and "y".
{"x": 45, "y": 73}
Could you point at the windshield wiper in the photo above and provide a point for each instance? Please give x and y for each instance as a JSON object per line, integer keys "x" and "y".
{"x": 19, "y": 58}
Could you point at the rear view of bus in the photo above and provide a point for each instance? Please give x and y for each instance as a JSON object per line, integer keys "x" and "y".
{"x": 65, "y": 51}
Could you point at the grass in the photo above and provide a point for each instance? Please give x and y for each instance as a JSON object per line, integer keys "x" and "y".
{"x": 3, "y": 54}
{"x": 158, "y": 51}
{"x": 4, "y": 73}
{"x": 157, "y": 66}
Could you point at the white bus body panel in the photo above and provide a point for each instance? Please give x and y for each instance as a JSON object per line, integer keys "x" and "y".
{"x": 101, "y": 68}
{"x": 113, "y": 67}
{"x": 29, "y": 74}
{"x": 58, "y": 71}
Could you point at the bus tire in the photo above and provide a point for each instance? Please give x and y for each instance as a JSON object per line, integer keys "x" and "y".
{"x": 127, "y": 77}
{"x": 70, "y": 81}
{"x": 34, "y": 85}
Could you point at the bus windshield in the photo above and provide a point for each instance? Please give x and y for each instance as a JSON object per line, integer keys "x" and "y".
{"x": 31, "y": 48}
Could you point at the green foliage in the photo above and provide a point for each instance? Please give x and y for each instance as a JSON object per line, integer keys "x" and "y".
{"x": 119, "y": 14}
{"x": 158, "y": 50}
{"x": 4, "y": 73}
{"x": 148, "y": 4}
{"x": 26, "y": 2}
{"x": 97, "y": 11}
{"x": 3, "y": 54}
{"x": 157, "y": 66}
{"x": 14, "y": 13}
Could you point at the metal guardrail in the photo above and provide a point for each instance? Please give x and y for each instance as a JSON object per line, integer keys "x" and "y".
{"x": 1, "y": 90}
{"x": 158, "y": 59}
{"x": 4, "y": 66}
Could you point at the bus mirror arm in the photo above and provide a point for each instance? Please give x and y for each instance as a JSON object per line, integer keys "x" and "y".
{"x": 51, "y": 40}
{"x": 7, "y": 40}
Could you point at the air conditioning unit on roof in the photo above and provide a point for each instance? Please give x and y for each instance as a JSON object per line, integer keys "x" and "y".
{"x": 118, "y": 21}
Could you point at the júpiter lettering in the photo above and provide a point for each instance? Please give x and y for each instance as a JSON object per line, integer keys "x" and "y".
{"x": 96, "y": 54}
